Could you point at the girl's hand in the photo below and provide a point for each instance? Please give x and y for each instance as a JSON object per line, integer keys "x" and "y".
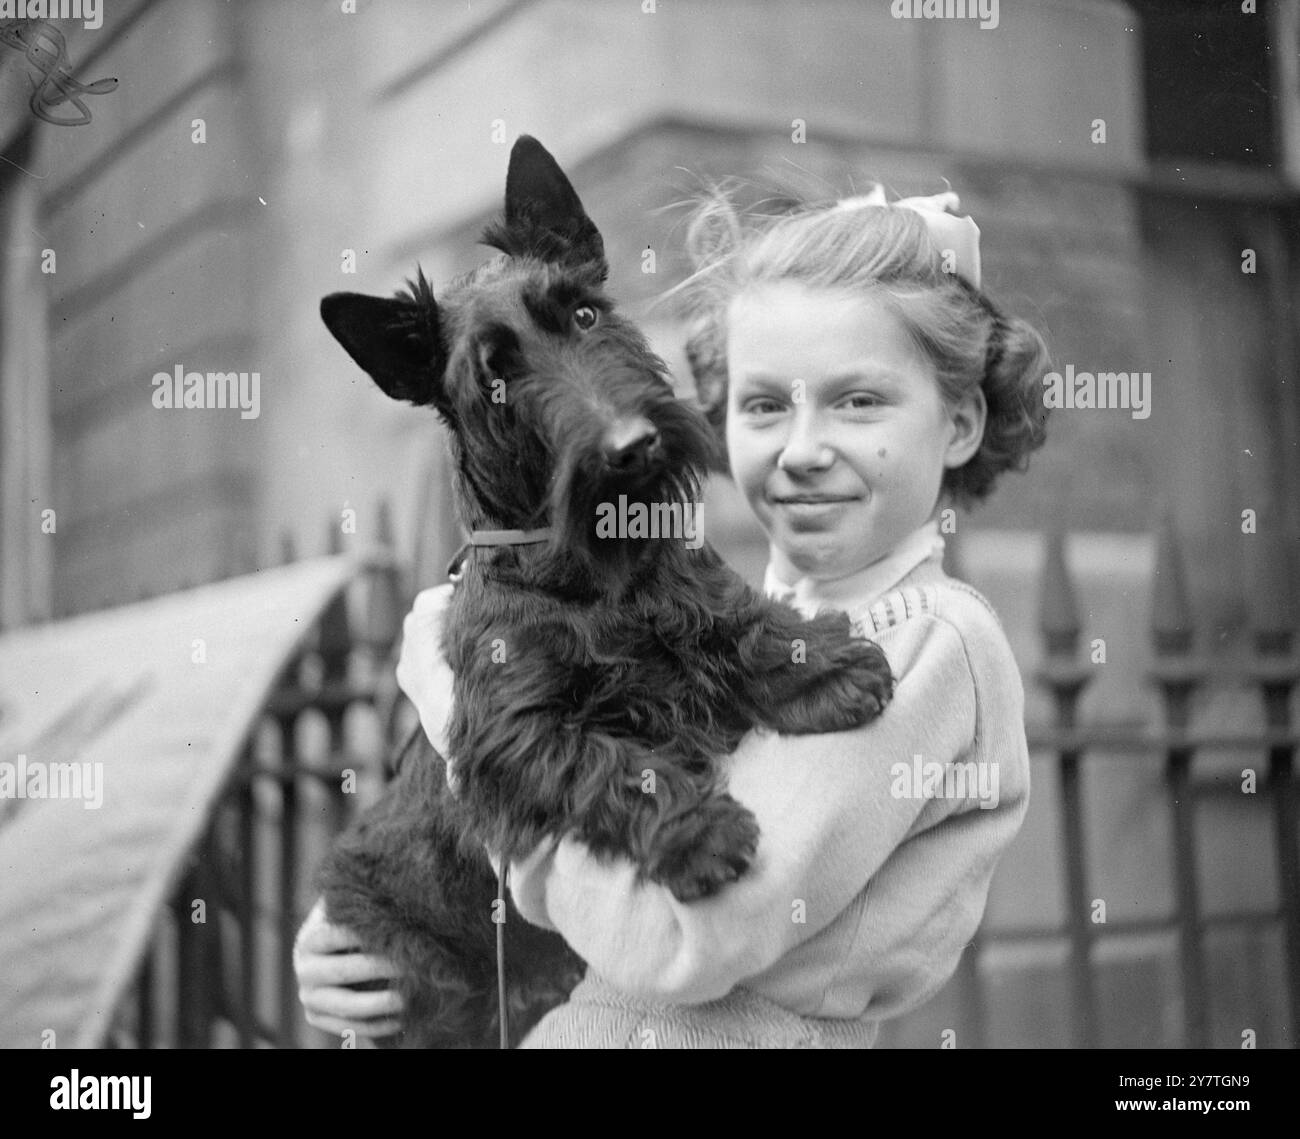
{"x": 422, "y": 673}
{"x": 326, "y": 959}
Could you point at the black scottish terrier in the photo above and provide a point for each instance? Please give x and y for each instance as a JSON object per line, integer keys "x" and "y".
{"x": 599, "y": 677}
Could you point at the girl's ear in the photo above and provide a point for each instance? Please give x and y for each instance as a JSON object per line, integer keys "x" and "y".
{"x": 968, "y": 418}
{"x": 706, "y": 358}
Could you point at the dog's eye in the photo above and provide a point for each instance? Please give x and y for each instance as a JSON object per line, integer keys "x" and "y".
{"x": 585, "y": 317}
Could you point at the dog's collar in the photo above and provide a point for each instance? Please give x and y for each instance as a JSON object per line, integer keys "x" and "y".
{"x": 494, "y": 538}
{"x": 508, "y": 537}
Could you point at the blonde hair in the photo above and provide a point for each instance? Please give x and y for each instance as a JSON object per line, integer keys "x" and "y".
{"x": 885, "y": 254}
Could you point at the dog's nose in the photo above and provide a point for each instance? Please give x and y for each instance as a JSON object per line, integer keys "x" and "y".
{"x": 632, "y": 446}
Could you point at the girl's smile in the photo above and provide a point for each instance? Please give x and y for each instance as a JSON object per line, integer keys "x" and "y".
{"x": 836, "y": 428}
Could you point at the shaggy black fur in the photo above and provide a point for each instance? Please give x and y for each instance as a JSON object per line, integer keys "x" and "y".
{"x": 404, "y": 878}
{"x": 598, "y": 680}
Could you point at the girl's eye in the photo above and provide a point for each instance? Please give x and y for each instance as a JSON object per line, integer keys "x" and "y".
{"x": 585, "y": 318}
{"x": 863, "y": 400}
{"x": 762, "y": 406}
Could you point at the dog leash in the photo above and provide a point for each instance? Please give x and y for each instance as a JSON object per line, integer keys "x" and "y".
{"x": 502, "y": 874}
{"x": 501, "y": 955}
{"x": 455, "y": 571}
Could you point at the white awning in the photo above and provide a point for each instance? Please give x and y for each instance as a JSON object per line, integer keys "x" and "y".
{"x": 144, "y": 708}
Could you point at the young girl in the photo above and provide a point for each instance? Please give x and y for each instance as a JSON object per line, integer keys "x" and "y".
{"x": 864, "y": 383}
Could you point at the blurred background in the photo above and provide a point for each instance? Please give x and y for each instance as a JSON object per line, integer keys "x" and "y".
{"x": 1135, "y": 170}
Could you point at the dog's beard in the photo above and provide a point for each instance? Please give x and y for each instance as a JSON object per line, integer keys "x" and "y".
{"x": 579, "y": 488}
{"x": 584, "y": 492}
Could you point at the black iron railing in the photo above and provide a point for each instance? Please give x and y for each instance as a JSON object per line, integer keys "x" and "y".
{"x": 316, "y": 753}
{"x": 1177, "y": 676}
{"x": 229, "y": 980}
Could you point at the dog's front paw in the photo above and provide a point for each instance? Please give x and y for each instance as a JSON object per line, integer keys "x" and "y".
{"x": 700, "y": 852}
{"x": 864, "y": 685}
{"x": 853, "y": 691}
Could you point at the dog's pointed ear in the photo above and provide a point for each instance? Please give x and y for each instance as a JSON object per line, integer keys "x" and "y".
{"x": 544, "y": 215}
{"x": 395, "y": 340}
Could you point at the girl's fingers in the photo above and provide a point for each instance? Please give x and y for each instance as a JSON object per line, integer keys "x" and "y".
{"x": 432, "y": 600}
{"x": 326, "y": 969}
{"x": 349, "y": 1005}
{"x": 319, "y": 935}
{"x": 328, "y": 939}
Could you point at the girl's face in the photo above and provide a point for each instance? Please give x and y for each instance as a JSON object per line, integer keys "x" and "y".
{"x": 836, "y": 429}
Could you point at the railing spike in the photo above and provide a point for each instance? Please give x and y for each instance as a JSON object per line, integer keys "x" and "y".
{"x": 334, "y": 640}
{"x": 384, "y": 524}
{"x": 1270, "y": 589}
{"x": 385, "y": 608}
{"x": 1171, "y": 611}
{"x": 1058, "y": 611}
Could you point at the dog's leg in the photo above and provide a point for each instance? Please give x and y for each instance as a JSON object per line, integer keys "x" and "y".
{"x": 666, "y": 814}
{"x": 800, "y": 675}
{"x": 527, "y": 777}
{"x": 784, "y": 671}
{"x": 415, "y": 892}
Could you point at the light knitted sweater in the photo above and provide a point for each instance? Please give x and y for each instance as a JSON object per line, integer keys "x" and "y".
{"x": 872, "y": 870}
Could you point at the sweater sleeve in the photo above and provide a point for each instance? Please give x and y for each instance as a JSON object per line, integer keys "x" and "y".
{"x": 829, "y": 813}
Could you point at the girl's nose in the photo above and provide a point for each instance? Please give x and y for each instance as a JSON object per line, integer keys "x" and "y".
{"x": 805, "y": 449}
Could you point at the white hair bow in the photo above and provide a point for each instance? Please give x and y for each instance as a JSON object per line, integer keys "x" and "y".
{"x": 958, "y": 236}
